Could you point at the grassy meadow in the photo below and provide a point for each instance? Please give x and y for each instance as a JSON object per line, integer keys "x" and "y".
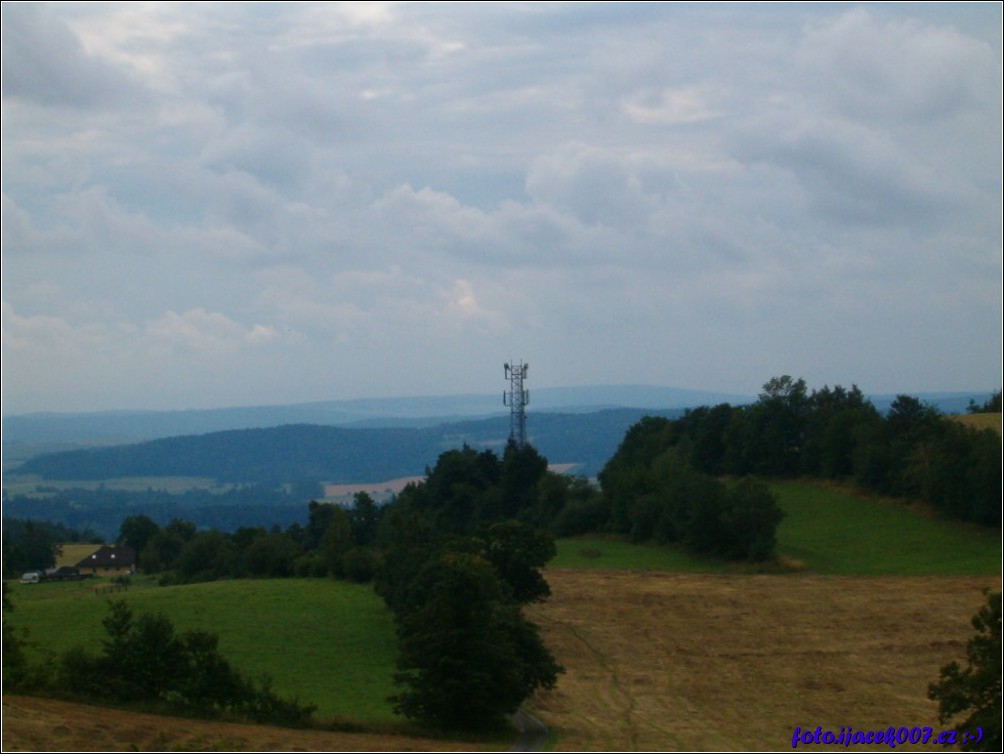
{"x": 826, "y": 530}
{"x": 830, "y": 530}
{"x": 325, "y": 642}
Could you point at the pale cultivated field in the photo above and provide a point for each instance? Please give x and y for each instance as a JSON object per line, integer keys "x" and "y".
{"x": 375, "y": 488}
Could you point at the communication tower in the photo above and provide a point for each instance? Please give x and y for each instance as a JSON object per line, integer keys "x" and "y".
{"x": 516, "y": 399}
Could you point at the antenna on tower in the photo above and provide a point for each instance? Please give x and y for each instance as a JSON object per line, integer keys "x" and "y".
{"x": 516, "y": 399}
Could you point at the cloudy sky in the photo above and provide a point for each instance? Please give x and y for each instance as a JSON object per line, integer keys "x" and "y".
{"x": 228, "y": 204}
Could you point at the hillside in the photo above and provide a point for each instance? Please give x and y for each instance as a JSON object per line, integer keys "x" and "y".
{"x": 337, "y": 454}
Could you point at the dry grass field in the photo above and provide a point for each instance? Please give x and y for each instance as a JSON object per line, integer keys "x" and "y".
{"x": 654, "y": 661}
{"x": 46, "y": 725}
{"x": 980, "y": 421}
{"x": 663, "y": 662}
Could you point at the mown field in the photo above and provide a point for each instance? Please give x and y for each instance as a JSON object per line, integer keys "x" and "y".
{"x": 707, "y": 662}
{"x": 663, "y": 650}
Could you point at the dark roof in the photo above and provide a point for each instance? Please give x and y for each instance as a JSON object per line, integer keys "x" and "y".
{"x": 109, "y": 556}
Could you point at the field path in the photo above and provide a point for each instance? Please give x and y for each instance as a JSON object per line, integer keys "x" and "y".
{"x": 532, "y": 732}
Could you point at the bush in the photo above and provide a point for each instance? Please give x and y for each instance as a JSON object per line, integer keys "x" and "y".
{"x": 144, "y": 659}
{"x": 361, "y": 563}
{"x": 975, "y": 691}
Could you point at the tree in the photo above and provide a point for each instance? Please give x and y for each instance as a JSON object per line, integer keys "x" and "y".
{"x": 164, "y": 547}
{"x": 336, "y": 541}
{"x": 990, "y": 405}
{"x": 518, "y": 551}
{"x": 16, "y": 669}
{"x": 137, "y": 531}
{"x": 776, "y": 426}
{"x": 976, "y": 689}
{"x": 365, "y": 516}
{"x": 28, "y": 545}
{"x": 467, "y": 657}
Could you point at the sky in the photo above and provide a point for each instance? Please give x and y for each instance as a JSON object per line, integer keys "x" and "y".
{"x": 224, "y": 204}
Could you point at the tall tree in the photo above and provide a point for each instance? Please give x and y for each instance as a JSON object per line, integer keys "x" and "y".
{"x": 467, "y": 656}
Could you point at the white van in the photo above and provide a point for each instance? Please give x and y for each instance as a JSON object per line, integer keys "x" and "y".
{"x": 31, "y": 577}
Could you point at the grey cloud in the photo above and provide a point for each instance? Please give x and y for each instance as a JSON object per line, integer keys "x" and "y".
{"x": 898, "y": 68}
{"x": 595, "y": 187}
{"x": 45, "y": 63}
{"x": 852, "y": 174}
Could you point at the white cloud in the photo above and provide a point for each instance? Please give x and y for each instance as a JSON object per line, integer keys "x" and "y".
{"x": 671, "y": 106}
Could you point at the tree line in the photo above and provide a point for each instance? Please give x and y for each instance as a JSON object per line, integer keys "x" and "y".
{"x": 835, "y": 433}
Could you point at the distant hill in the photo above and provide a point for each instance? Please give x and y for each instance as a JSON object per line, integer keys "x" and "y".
{"x": 347, "y": 441}
{"x": 339, "y": 454}
{"x": 424, "y": 411}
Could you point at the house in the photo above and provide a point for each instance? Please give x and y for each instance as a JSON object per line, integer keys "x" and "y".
{"x": 109, "y": 560}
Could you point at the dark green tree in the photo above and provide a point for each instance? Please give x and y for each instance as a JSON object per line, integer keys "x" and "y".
{"x": 142, "y": 657}
{"x": 775, "y": 431}
{"x": 207, "y": 556}
{"x": 28, "y": 546}
{"x": 518, "y": 552}
{"x": 753, "y": 518}
{"x": 16, "y": 668}
{"x": 990, "y": 405}
{"x": 335, "y": 542}
{"x": 272, "y": 555}
{"x": 467, "y": 656}
{"x": 975, "y": 691}
{"x": 365, "y": 517}
{"x": 137, "y": 531}
{"x": 164, "y": 547}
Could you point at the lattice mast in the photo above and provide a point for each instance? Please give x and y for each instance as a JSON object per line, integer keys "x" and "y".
{"x": 516, "y": 399}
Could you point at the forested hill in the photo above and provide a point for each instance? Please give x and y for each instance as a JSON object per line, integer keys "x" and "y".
{"x": 339, "y": 454}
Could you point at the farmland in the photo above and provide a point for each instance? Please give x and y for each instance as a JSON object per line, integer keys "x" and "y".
{"x": 663, "y": 650}
{"x": 659, "y": 661}
{"x": 676, "y": 661}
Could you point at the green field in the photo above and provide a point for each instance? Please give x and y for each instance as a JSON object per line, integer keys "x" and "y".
{"x": 834, "y": 531}
{"x": 325, "y": 642}
{"x": 826, "y": 530}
